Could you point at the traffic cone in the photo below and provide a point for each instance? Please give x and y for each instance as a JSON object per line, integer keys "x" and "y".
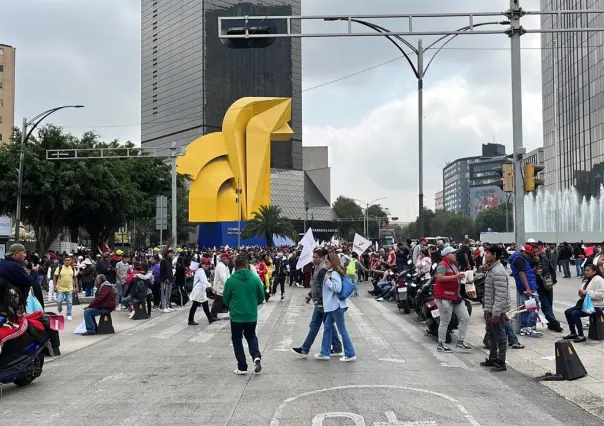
{"x": 568, "y": 363}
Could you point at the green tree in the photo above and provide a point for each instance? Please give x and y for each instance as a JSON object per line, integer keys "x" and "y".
{"x": 266, "y": 222}
{"x": 494, "y": 218}
{"x": 347, "y": 208}
{"x": 452, "y": 225}
{"x": 378, "y": 219}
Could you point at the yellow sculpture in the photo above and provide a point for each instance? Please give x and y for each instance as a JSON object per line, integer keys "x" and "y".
{"x": 238, "y": 157}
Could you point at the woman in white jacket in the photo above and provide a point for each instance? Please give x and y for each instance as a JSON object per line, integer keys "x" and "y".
{"x": 198, "y": 294}
{"x": 594, "y": 287}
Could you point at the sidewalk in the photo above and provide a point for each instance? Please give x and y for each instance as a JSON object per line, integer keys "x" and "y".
{"x": 538, "y": 358}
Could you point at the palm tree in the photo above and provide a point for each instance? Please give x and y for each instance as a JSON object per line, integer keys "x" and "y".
{"x": 267, "y": 221}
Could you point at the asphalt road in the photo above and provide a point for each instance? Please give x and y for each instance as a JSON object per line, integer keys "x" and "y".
{"x": 164, "y": 372}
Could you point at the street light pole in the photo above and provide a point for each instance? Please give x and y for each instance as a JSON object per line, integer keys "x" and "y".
{"x": 420, "y": 128}
{"x": 174, "y": 155}
{"x": 25, "y": 134}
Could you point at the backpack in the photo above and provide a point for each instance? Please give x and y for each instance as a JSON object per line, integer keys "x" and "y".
{"x": 348, "y": 288}
{"x": 351, "y": 268}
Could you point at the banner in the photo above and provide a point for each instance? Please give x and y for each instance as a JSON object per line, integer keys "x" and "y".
{"x": 360, "y": 244}
{"x": 308, "y": 244}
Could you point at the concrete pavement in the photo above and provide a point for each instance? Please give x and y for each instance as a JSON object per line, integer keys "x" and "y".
{"x": 163, "y": 371}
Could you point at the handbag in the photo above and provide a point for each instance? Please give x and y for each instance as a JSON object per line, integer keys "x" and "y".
{"x": 588, "y": 306}
{"x": 33, "y": 305}
{"x": 548, "y": 281}
{"x": 348, "y": 288}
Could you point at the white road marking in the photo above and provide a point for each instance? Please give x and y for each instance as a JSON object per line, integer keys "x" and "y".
{"x": 289, "y": 321}
{"x": 147, "y": 324}
{"x": 392, "y": 421}
{"x": 379, "y": 347}
{"x": 171, "y": 331}
{"x": 446, "y": 360}
{"x": 264, "y": 313}
{"x": 357, "y": 419}
{"x": 275, "y": 421}
{"x": 391, "y": 360}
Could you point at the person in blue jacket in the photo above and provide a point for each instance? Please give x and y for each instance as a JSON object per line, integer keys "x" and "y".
{"x": 526, "y": 285}
{"x": 13, "y": 271}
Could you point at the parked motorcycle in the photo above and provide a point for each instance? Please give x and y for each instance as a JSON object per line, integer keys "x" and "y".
{"x": 22, "y": 366}
{"x": 403, "y": 282}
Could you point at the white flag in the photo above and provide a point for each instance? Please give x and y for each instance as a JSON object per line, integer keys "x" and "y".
{"x": 308, "y": 244}
{"x": 360, "y": 244}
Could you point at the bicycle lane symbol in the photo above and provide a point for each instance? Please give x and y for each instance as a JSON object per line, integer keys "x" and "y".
{"x": 359, "y": 420}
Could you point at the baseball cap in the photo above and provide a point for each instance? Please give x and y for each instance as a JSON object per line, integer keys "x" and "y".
{"x": 527, "y": 248}
{"x": 531, "y": 241}
{"x": 448, "y": 250}
{"x": 204, "y": 261}
{"x": 225, "y": 256}
{"x": 15, "y": 248}
{"x": 423, "y": 240}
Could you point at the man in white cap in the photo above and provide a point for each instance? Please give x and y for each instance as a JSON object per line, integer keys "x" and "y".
{"x": 449, "y": 301}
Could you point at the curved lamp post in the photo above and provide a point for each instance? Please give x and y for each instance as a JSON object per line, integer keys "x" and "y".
{"x": 420, "y": 72}
{"x": 25, "y": 134}
{"x": 366, "y": 215}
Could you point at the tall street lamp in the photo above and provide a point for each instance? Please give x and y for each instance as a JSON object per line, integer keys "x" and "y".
{"x": 420, "y": 73}
{"x": 25, "y": 134}
{"x": 366, "y": 215}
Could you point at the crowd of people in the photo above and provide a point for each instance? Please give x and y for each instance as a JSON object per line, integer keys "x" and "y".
{"x": 239, "y": 280}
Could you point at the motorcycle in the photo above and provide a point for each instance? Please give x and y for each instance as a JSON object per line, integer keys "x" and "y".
{"x": 431, "y": 313}
{"x": 25, "y": 365}
{"x": 403, "y": 282}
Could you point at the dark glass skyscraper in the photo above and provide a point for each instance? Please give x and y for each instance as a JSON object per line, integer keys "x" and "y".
{"x": 189, "y": 78}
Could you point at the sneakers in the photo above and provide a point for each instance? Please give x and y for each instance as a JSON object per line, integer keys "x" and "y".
{"x": 380, "y": 299}
{"x": 499, "y": 366}
{"x": 239, "y": 372}
{"x": 193, "y": 323}
{"x": 299, "y": 351}
{"x": 531, "y": 332}
{"x": 334, "y": 353}
{"x": 488, "y": 363}
{"x": 443, "y": 348}
{"x": 347, "y": 359}
{"x": 282, "y": 297}
{"x": 463, "y": 346}
{"x": 69, "y": 318}
{"x": 258, "y": 365}
{"x": 131, "y": 314}
{"x": 322, "y": 357}
{"x": 166, "y": 311}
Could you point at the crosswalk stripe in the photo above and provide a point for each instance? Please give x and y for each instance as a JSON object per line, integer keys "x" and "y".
{"x": 171, "y": 331}
{"x": 146, "y": 325}
{"x": 289, "y": 321}
{"x": 264, "y": 314}
{"x": 381, "y": 349}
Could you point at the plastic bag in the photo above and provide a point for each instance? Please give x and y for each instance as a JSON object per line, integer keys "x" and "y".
{"x": 33, "y": 305}
{"x": 588, "y": 306}
{"x": 81, "y": 328}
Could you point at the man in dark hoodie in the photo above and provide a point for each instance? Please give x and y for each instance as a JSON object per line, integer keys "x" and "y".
{"x": 243, "y": 293}
{"x": 103, "y": 303}
{"x": 316, "y": 295}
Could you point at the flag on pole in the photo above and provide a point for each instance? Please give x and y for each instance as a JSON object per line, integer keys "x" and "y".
{"x": 308, "y": 244}
{"x": 360, "y": 244}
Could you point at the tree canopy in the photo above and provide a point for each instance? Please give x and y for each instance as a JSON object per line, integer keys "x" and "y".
{"x": 99, "y": 195}
{"x": 351, "y": 214}
{"x": 266, "y": 222}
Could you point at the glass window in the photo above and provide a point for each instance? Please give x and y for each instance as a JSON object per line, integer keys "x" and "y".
{"x": 1, "y": 52}
{"x": 1, "y": 102}
{"x": 1, "y": 68}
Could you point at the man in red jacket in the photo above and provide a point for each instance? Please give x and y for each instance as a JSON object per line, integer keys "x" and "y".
{"x": 104, "y": 302}
{"x": 449, "y": 301}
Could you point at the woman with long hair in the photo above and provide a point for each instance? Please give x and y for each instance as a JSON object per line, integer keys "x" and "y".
{"x": 594, "y": 287}
{"x": 334, "y": 309}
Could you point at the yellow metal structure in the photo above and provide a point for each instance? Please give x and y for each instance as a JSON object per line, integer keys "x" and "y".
{"x": 239, "y": 157}
{"x": 507, "y": 172}
{"x": 531, "y": 180}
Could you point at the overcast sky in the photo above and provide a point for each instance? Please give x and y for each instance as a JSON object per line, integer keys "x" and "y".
{"x": 88, "y": 52}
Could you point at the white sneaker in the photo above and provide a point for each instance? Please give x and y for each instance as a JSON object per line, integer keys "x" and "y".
{"x": 380, "y": 299}
{"x": 239, "y": 372}
{"x": 69, "y": 318}
{"x": 171, "y": 310}
{"x": 346, "y": 359}
{"x": 131, "y": 314}
{"x": 118, "y": 308}
{"x": 166, "y": 311}
{"x": 322, "y": 357}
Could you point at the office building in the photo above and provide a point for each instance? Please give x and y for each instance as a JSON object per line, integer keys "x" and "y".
{"x": 190, "y": 78}
{"x": 536, "y": 157}
{"x": 574, "y": 154}
{"x": 468, "y": 183}
{"x": 7, "y": 92}
{"x": 439, "y": 201}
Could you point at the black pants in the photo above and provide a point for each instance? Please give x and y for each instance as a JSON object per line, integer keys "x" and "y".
{"x": 498, "y": 341}
{"x": 216, "y": 306}
{"x": 149, "y": 300}
{"x": 156, "y": 291}
{"x": 206, "y": 310}
{"x": 279, "y": 280}
{"x": 37, "y": 291}
{"x": 247, "y": 330}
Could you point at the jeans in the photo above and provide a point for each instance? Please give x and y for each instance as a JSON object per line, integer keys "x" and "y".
{"x": 247, "y": 330}
{"x": 509, "y": 330}
{"x": 317, "y": 319}
{"x": 65, "y": 296}
{"x": 89, "y": 317}
{"x": 447, "y": 308}
{"x": 386, "y": 291}
{"x": 88, "y": 288}
{"x": 206, "y": 310}
{"x": 336, "y": 317}
{"x": 578, "y": 263}
{"x": 529, "y": 319}
{"x": 546, "y": 297}
{"x": 119, "y": 289}
{"x": 565, "y": 267}
{"x": 166, "y": 291}
{"x": 496, "y": 336}
{"x": 573, "y": 317}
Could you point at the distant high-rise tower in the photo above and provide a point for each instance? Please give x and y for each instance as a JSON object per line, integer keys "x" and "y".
{"x": 190, "y": 79}
{"x": 576, "y": 62}
{"x": 7, "y": 92}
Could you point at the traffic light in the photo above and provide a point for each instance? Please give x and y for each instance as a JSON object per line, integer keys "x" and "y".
{"x": 242, "y": 27}
{"x": 506, "y": 183}
{"x": 531, "y": 181}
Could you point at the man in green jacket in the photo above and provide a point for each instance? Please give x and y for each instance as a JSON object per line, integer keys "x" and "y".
{"x": 243, "y": 293}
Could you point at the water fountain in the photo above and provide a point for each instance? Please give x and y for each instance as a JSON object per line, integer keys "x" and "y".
{"x": 577, "y": 218}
